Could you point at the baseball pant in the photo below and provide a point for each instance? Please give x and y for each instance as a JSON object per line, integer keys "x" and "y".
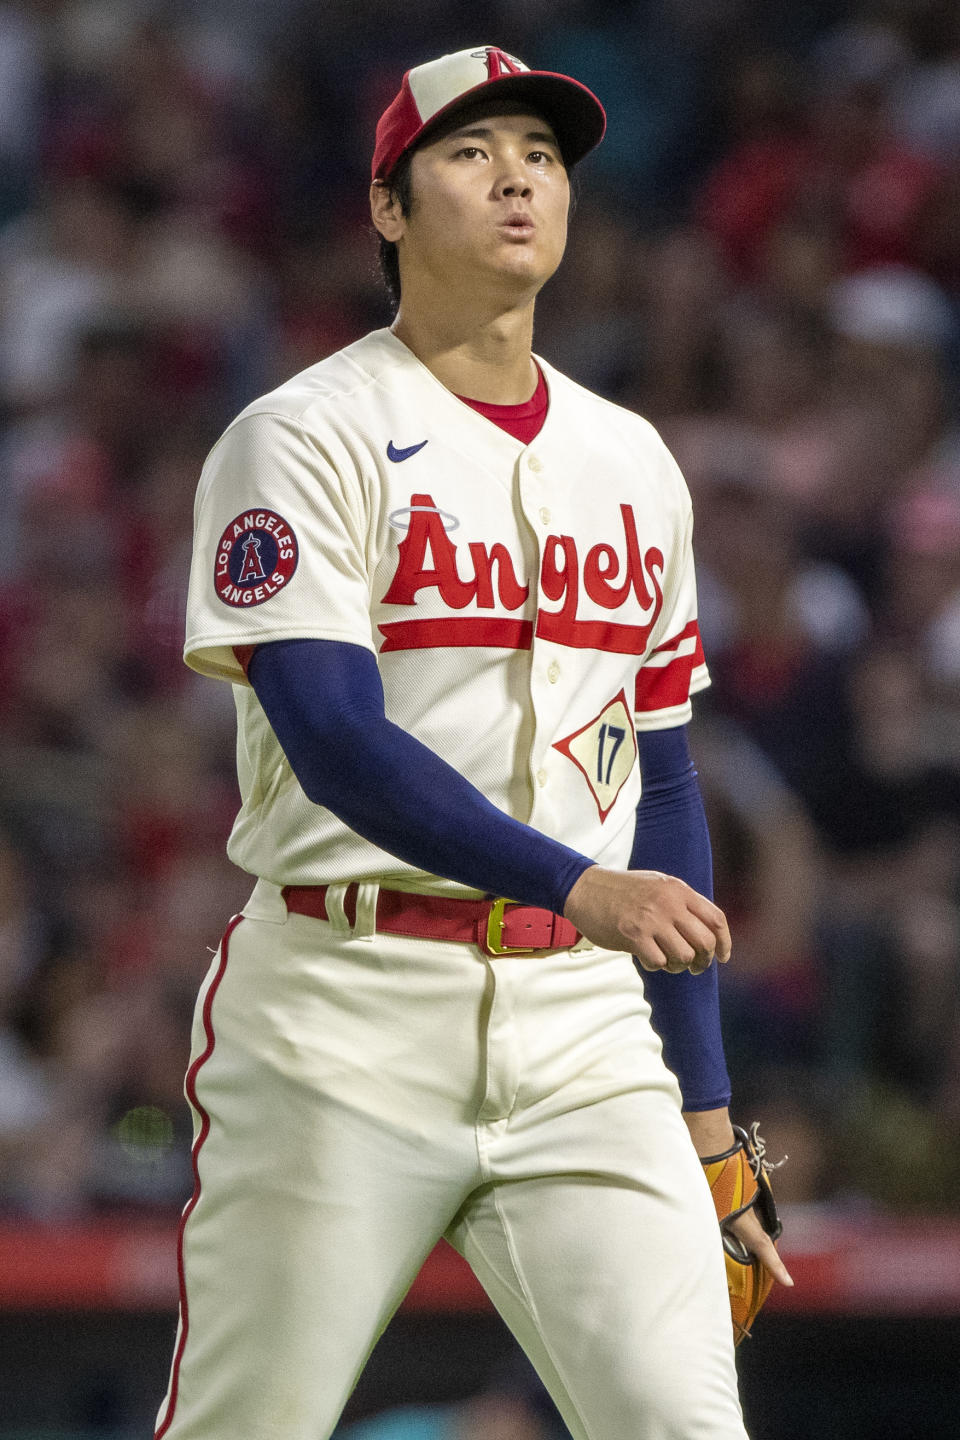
{"x": 358, "y": 1095}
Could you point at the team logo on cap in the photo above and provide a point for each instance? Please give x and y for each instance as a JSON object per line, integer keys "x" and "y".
{"x": 256, "y": 558}
{"x": 498, "y": 62}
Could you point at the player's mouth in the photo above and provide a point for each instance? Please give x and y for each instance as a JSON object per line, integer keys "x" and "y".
{"x": 519, "y": 227}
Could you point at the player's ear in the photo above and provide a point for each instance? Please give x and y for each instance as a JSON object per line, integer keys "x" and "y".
{"x": 386, "y": 211}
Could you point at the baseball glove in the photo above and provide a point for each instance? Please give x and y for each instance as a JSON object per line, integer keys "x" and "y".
{"x": 739, "y": 1181}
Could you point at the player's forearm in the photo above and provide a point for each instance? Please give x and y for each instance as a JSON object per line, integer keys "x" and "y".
{"x": 324, "y": 701}
{"x": 672, "y": 835}
{"x": 710, "y": 1130}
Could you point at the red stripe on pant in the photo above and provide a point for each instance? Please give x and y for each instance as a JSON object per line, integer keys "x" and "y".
{"x": 190, "y": 1087}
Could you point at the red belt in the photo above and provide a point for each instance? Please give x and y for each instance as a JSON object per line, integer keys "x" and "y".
{"x": 499, "y": 927}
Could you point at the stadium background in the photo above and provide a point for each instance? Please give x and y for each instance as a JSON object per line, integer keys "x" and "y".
{"x": 765, "y": 261}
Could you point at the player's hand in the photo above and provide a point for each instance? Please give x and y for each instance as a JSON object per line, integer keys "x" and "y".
{"x": 659, "y": 918}
{"x": 748, "y": 1229}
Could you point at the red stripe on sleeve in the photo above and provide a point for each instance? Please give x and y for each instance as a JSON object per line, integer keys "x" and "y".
{"x": 685, "y": 634}
{"x": 243, "y": 654}
{"x": 663, "y": 686}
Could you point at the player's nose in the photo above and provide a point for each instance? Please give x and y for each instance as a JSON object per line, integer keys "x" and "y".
{"x": 511, "y": 184}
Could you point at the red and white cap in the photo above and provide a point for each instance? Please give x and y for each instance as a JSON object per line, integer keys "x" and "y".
{"x": 430, "y": 92}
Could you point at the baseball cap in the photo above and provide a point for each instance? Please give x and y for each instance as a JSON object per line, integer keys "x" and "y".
{"x": 431, "y": 92}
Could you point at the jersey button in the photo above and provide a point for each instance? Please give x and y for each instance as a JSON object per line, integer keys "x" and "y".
{"x": 535, "y": 464}
{"x": 544, "y": 515}
{"x": 553, "y": 672}
{"x": 541, "y": 777}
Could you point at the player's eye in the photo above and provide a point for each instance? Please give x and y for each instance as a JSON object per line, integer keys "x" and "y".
{"x": 469, "y": 151}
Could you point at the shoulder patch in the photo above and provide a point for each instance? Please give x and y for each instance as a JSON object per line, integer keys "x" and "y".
{"x": 256, "y": 558}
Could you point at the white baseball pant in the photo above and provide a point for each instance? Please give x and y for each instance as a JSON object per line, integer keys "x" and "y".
{"x": 358, "y": 1095}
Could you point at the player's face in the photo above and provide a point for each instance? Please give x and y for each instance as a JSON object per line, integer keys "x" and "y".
{"x": 490, "y": 203}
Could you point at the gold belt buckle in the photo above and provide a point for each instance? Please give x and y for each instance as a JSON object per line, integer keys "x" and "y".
{"x": 495, "y": 923}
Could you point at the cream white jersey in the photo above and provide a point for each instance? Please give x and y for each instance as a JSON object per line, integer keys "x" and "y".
{"x": 529, "y": 606}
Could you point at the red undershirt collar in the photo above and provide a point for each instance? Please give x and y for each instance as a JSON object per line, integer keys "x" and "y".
{"x": 523, "y": 422}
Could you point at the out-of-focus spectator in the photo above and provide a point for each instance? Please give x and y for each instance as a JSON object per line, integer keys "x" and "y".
{"x": 593, "y": 324}
{"x": 25, "y": 1099}
{"x": 61, "y": 270}
{"x": 767, "y": 868}
{"x": 835, "y": 163}
{"x": 926, "y": 99}
{"x": 922, "y": 591}
{"x": 21, "y": 84}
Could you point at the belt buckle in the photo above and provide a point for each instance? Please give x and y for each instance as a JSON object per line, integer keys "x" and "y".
{"x": 495, "y": 923}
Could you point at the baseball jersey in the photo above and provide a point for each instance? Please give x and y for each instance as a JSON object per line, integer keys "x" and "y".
{"x": 529, "y": 605}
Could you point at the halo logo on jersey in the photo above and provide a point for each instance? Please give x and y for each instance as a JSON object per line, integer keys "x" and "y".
{"x": 256, "y": 558}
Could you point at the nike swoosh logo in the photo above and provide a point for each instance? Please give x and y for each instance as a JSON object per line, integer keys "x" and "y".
{"x": 397, "y": 455}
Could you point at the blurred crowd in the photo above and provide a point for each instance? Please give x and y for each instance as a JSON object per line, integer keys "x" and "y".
{"x": 765, "y": 261}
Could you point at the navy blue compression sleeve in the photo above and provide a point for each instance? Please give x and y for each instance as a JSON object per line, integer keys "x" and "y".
{"x": 324, "y": 700}
{"x": 672, "y": 836}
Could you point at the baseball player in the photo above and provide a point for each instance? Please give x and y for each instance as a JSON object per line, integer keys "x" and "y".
{"x": 453, "y": 592}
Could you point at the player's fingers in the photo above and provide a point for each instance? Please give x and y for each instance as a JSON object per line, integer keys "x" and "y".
{"x": 766, "y": 1252}
{"x": 699, "y": 936}
{"x": 712, "y": 916}
{"x": 747, "y": 1228}
{"x": 670, "y": 950}
{"x": 679, "y": 953}
{"x": 724, "y": 942}
{"x": 649, "y": 954}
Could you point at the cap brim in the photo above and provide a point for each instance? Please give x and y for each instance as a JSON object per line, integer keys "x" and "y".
{"x": 574, "y": 113}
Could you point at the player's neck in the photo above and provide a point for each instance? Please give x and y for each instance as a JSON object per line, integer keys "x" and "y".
{"x": 483, "y": 357}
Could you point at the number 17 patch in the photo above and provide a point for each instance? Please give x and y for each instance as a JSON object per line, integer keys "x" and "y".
{"x": 604, "y": 750}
